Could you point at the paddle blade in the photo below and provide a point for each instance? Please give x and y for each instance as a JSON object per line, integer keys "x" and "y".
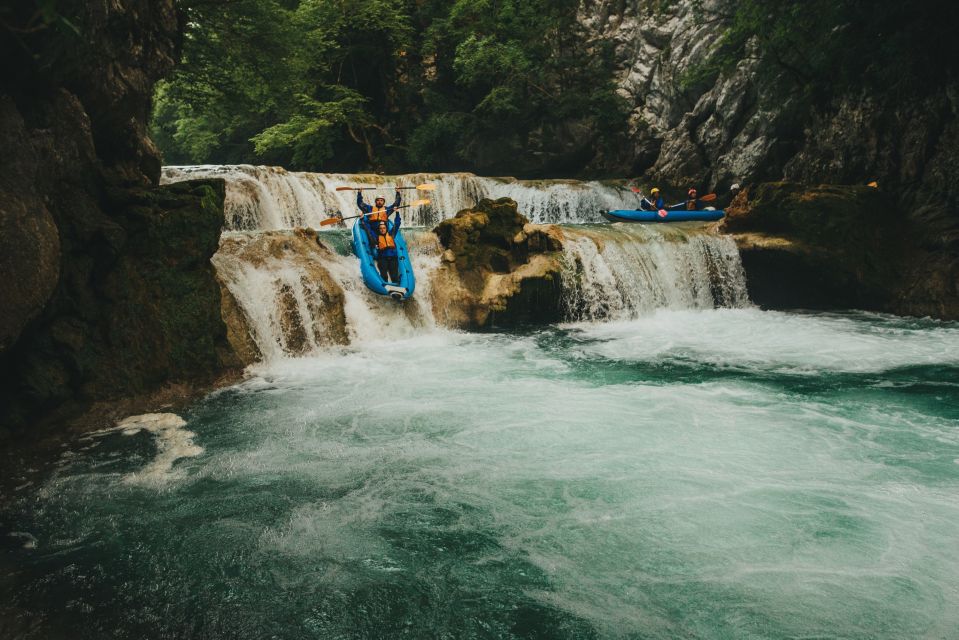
{"x": 709, "y": 197}
{"x": 636, "y": 190}
{"x": 330, "y": 221}
{"x": 344, "y": 188}
{"x": 426, "y": 187}
{"x": 419, "y": 203}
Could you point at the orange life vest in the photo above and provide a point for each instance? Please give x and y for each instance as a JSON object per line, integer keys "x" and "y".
{"x": 385, "y": 241}
{"x": 376, "y": 215}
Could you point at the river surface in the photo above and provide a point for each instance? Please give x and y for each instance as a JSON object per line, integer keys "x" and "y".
{"x": 690, "y": 474}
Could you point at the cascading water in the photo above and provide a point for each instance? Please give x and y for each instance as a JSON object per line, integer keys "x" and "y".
{"x": 620, "y": 272}
{"x": 273, "y": 198}
{"x": 677, "y": 471}
{"x": 612, "y": 271}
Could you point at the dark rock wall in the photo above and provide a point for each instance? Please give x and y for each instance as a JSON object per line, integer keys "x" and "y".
{"x": 105, "y": 278}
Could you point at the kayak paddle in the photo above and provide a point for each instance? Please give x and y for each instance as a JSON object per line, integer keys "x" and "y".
{"x": 706, "y": 198}
{"x": 421, "y": 187}
{"x": 334, "y": 220}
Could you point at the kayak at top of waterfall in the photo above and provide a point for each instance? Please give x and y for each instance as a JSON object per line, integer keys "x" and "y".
{"x": 663, "y": 215}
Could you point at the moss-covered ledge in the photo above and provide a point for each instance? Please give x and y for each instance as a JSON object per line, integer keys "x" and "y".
{"x": 838, "y": 246}
{"x": 137, "y": 306}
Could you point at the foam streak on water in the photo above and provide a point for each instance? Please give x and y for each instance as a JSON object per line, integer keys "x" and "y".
{"x": 686, "y": 474}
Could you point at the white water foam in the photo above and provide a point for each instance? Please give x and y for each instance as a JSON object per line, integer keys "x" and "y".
{"x": 750, "y": 339}
{"x": 624, "y": 271}
{"x": 173, "y": 442}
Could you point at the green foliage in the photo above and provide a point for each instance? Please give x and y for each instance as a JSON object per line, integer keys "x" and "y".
{"x": 312, "y": 131}
{"x": 388, "y": 85}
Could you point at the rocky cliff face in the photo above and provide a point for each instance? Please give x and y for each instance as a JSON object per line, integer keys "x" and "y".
{"x": 106, "y": 283}
{"x": 749, "y": 127}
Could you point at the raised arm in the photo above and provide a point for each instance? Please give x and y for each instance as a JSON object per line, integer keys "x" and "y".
{"x": 396, "y": 202}
{"x": 365, "y": 208}
{"x": 369, "y": 231}
{"x": 396, "y": 225}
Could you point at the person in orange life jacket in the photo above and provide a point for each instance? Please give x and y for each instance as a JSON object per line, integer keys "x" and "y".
{"x": 377, "y": 211}
{"x": 655, "y": 204}
{"x": 692, "y": 203}
{"x": 382, "y": 239}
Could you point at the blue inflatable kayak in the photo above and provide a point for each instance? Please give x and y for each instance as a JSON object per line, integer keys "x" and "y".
{"x": 631, "y": 215}
{"x": 371, "y": 275}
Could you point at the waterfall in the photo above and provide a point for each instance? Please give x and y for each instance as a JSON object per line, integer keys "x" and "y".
{"x": 299, "y": 292}
{"x": 273, "y": 198}
{"x": 619, "y": 271}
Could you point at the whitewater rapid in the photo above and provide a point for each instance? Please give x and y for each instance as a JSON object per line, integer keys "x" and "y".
{"x": 703, "y": 474}
{"x": 265, "y": 198}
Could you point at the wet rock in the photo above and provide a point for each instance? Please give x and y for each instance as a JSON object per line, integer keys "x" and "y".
{"x": 107, "y": 285}
{"x": 29, "y": 241}
{"x": 836, "y": 246}
{"x": 504, "y": 271}
{"x": 136, "y": 305}
{"x": 302, "y": 299}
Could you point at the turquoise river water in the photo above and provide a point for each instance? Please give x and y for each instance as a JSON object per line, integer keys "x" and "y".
{"x": 691, "y": 474}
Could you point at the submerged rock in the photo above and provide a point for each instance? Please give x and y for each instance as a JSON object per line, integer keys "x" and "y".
{"x": 497, "y": 269}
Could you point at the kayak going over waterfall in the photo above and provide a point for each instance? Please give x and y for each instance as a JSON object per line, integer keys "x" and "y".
{"x": 379, "y": 244}
{"x": 368, "y": 249}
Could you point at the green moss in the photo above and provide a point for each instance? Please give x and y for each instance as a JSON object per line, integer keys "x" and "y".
{"x": 138, "y": 305}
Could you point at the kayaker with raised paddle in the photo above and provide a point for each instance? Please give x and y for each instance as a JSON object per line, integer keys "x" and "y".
{"x": 377, "y": 211}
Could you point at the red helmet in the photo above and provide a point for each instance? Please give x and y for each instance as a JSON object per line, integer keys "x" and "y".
{"x": 692, "y": 192}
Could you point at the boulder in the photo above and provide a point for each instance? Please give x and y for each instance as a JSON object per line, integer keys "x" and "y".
{"x": 497, "y": 269}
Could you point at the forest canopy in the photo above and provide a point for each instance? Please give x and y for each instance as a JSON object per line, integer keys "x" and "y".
{"x": 498, "y": 86}
{"x": 390, "y": 85}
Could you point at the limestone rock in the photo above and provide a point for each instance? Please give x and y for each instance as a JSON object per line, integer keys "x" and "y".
{"x": 498, "y": 269}
{"x": 304, "y": 300}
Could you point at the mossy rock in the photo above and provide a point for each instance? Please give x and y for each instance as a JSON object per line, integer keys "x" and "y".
{"x": 499, "y": 270}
